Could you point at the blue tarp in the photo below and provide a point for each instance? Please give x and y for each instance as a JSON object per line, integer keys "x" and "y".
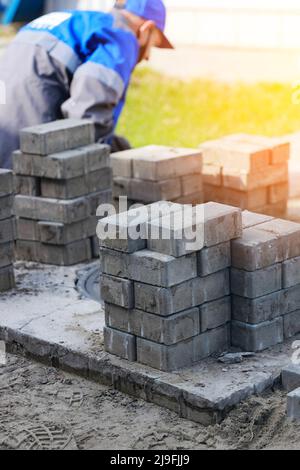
{"x": 21, "y": 10}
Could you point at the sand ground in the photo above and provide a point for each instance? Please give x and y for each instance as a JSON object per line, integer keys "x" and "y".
{"x": 42, "y": 407}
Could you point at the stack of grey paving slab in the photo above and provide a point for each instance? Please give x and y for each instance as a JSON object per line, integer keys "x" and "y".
{"x": 167, "y": 298}
{"x": 61, "y": 177}
{"x": 7, "y": 231}
{"x": 154, "y": 173}
{"x": 265, "y": 282}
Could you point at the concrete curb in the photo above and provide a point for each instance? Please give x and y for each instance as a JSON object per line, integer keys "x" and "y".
{"x": 121, "y": 375}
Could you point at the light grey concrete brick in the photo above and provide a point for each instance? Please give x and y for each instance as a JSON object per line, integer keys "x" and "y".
{"x": 27, "y": 229}
{"x": 117, "y": 291}
{"x": 289, "y": 232}
{"x": 211, "y": 342}
{"x": 118, "y": 318}
{"x": 215, "y": 314}
{"x": 27, "y": 250}
{"x": 290, "y": 377}
{"x": 162, "y": 301}
{"x": 258, "y": 310}
{"x": 7, "y": 278}
{"x": 178, "y": 234}
{"x": 57, "y": 136}
{"x": 6, "y": 254}
{"x": 127, "y": 231}
{"x": 62, "y": 234}
{"x": 6, "y": 182}
{"x": 212, "y": 287}
{"x": 120, "y": 344}
{"x": 165, "y": 358}
{"x": 164, "y": 330}
{"x": 161, "y": 270}
{"x": 156, "y": 163}
{"x": 121, "y": 163}
{"x": 251, "y": 219}
{"x": 291, "y": 324}
{"x": 55, "y": 233}
{"x": 256, "y": 249}
{"x": 167, "y": 301}
{"x": 152, "y": 191}
{"x": 257, "y": 337}
{"x": 214, "y": 259}
{"x": 114, "y": 263}
{"x": 97, "y": 199}
{"x": 27, "y": 185}
{"x": 52, "y": 210}
{"x": 293, "y": 405}
{"x": 100, "y": 180}
{"x": 190, "y": 230}
{"x": 6, "y": 207}
{"x": 290, "y": 300}
{"x": 7, "y": 230}
{"x": 291, "y": 272}
{"x": 121, "y": 187}
{"x": 257, "y": 283}
{"x": 64, "y": 255}
{"x": 63, "y": 165}
{"x": 222, "y": 223}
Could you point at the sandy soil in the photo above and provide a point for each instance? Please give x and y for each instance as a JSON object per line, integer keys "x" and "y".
{"x": 42, "y": 407}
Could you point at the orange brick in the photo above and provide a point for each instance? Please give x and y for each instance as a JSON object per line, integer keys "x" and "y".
{"x": 245, "y": 156}
{"x": 196, "y": 198}
{"x": 278, "y": 210}
{"x": 278, "y": 193}
{"x": 212, "y": 174}
{"x": 191, "y": 184}
{"x": 279, "y": 147}
{"x": 250, "y": 200}
{"x": 242, "y": 180}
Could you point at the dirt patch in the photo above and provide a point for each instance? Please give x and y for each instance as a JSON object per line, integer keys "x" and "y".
{"x": 43, "y": 408}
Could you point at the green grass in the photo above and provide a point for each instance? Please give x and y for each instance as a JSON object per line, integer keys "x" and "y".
{"x": 167, "y": 111}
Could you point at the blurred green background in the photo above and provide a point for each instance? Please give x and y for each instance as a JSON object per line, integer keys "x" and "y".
{"x": 168, "y": 111}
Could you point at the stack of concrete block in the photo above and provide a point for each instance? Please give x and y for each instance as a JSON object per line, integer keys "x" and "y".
{"x": 250, "y": 172}
{"x": 290, "y": 377}
{"x": 156, "y": 173}
{"x": 293, "y": 405}
{"x": 7, "y": 231}
{"x": 167, "y": 296}
{"x": 61, "y": 177}
{"x": 265, "y": 282}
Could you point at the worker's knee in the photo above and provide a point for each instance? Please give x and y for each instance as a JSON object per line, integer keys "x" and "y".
{"x": 118, "y": 144}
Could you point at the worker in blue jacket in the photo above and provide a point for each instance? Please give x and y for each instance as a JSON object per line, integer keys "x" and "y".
{"x": 76, "y": 64}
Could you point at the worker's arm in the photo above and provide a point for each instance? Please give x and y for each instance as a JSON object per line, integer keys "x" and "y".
{"x": 99, "y": 85}
{"x": 95, "y": 94}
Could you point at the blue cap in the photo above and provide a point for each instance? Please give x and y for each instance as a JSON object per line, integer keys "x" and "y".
{"x": 153, "y": 10}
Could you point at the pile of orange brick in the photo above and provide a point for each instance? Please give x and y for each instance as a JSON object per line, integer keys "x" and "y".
{"x": 247, "y": 171}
